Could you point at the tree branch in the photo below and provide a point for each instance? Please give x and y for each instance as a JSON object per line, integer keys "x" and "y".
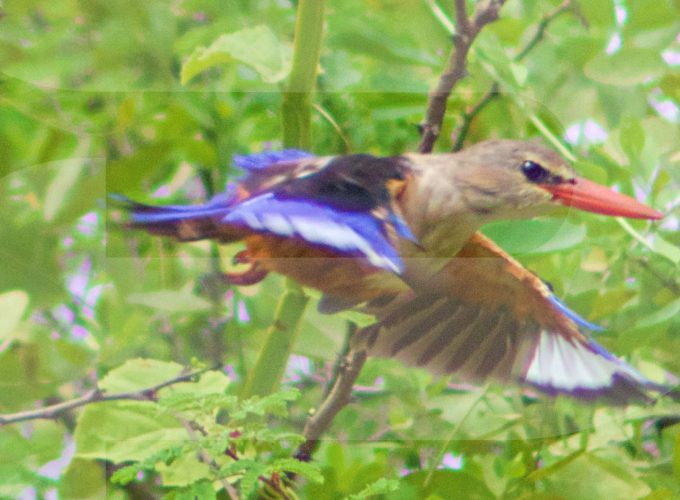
{"x": 338, "y": 397}
{"x": 493, "y": 92}
{"x": 95, "y": 396}
{"x": 466, "y": 31}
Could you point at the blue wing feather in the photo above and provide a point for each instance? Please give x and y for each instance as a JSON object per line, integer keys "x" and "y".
{"x": 260, "y": 161}
{"x": 333, "y": 207}
{"x": 355, "y": 233}
{"x": 572, "y": 315}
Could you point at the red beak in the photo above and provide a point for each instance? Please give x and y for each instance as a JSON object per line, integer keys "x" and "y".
{"x": 587, "y": 195}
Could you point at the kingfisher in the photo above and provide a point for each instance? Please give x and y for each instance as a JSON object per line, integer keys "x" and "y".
{"x": 398, "y": 237}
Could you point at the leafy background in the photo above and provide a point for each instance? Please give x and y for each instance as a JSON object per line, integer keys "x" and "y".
{"x": 152, "y": 98}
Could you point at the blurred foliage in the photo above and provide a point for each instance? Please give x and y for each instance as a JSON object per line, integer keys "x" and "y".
{"x": 152, "y": 98}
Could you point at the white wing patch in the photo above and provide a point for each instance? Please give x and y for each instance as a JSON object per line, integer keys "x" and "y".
{"x": 561, "y": 365}
{"x": 317, "y": 224}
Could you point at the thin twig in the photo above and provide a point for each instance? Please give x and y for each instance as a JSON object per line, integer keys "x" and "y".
{"x": 95, "y": 396}
{"x": 329, "y": 118}
{"x": 339, "y": 396}
{"x": 665, "y": 280}
{"x": 467, "y": 30}
{"x": 493, "y": 92}
{"x": 470, "y": 115}
{"x": 542, "y": 26}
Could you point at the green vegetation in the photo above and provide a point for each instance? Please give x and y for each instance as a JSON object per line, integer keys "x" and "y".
{"x": 152, "y": 98}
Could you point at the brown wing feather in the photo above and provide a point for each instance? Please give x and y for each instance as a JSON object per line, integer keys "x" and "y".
{"x": 484, "y": 315}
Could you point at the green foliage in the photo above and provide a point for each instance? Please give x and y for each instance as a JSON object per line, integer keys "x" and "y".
{"x": 256, "y": 47}
{"x": 151, "y": 99}
{"x": 194, "y": 435}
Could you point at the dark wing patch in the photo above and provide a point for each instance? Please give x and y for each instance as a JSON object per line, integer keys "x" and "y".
{"x": 343, "y": 203}
{"x": 354, "y": 183}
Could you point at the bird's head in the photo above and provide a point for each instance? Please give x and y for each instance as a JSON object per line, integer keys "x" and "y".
{"x": 504, "y": 179}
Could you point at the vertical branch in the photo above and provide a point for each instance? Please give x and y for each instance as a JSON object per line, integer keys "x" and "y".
{"x": 296, "y": 106}
{"x": 271, "y": 362}
{"x": 296, "y": 112}
{"x": 466, "y": 31}
{"x": 338, "y": 397}
{"x": 215, "y": 346}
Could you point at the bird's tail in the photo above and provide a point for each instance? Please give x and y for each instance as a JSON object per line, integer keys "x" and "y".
{"x": 185, "y": 223}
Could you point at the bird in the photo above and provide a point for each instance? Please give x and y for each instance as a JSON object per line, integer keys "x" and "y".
{"x": 399, "y": 238}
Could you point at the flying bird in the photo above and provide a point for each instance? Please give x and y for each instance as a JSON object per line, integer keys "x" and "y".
{"x": 398, "y": 237}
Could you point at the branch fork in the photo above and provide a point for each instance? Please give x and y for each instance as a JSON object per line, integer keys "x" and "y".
{"x": 467, "y": 30}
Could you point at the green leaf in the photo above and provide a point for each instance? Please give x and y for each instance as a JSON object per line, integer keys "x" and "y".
{"x": 12, "y": 307}
{"x": 183, "y": 300}
{"x": 236, "y": 467}
{"x": 632, "y": 137}
{"x": 210, "y": 383}
{"x": 520, "y": 72}
{"x": 676, "y": 458}
{"x": 136, "y": 374}
{"x": 84, "y": 479}
{"x": 126, "y": 474}
{"x": 607, "y": 478}
{"x": 66, "y": 174}
{"x": 203, "y": 490}
{"x": 22, "y": 455}
{"x": 274, "y": 403}
{"x": 45, "y": 443}
{"x": 670, "y": 84}
{"x": 29, "y": 252}
{"x": 662, "y": 247}
{"x": 667, "y": 313}
{"x": 251, "y": 477}
{"x": 536, "y": 236}
{"x": 125, "y": 431}
{"x": 544, "y": 472}
{"x": 368, "y": 40}
{"x": 309, "y": 471}
{"x": 598, "y": 13}
{"x": 498, "y": 63}
{"x": 184, "y": 470}
{"x": 258, "y": 47}
{"x": 382, "y": 486}
{"x": 443, "y": 482}
{"x": 649, "y": 14}
{"x": 629, "y": 66}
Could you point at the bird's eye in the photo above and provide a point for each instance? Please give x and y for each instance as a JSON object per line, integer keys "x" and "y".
{"x": 534, "y": 172}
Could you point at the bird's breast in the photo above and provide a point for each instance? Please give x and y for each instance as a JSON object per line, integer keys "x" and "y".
{"x": 435, "y": 210}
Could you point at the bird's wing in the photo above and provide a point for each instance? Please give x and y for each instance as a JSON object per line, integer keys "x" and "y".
{"x": 344, "y": 204}
{"x": 485, "y": 316}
